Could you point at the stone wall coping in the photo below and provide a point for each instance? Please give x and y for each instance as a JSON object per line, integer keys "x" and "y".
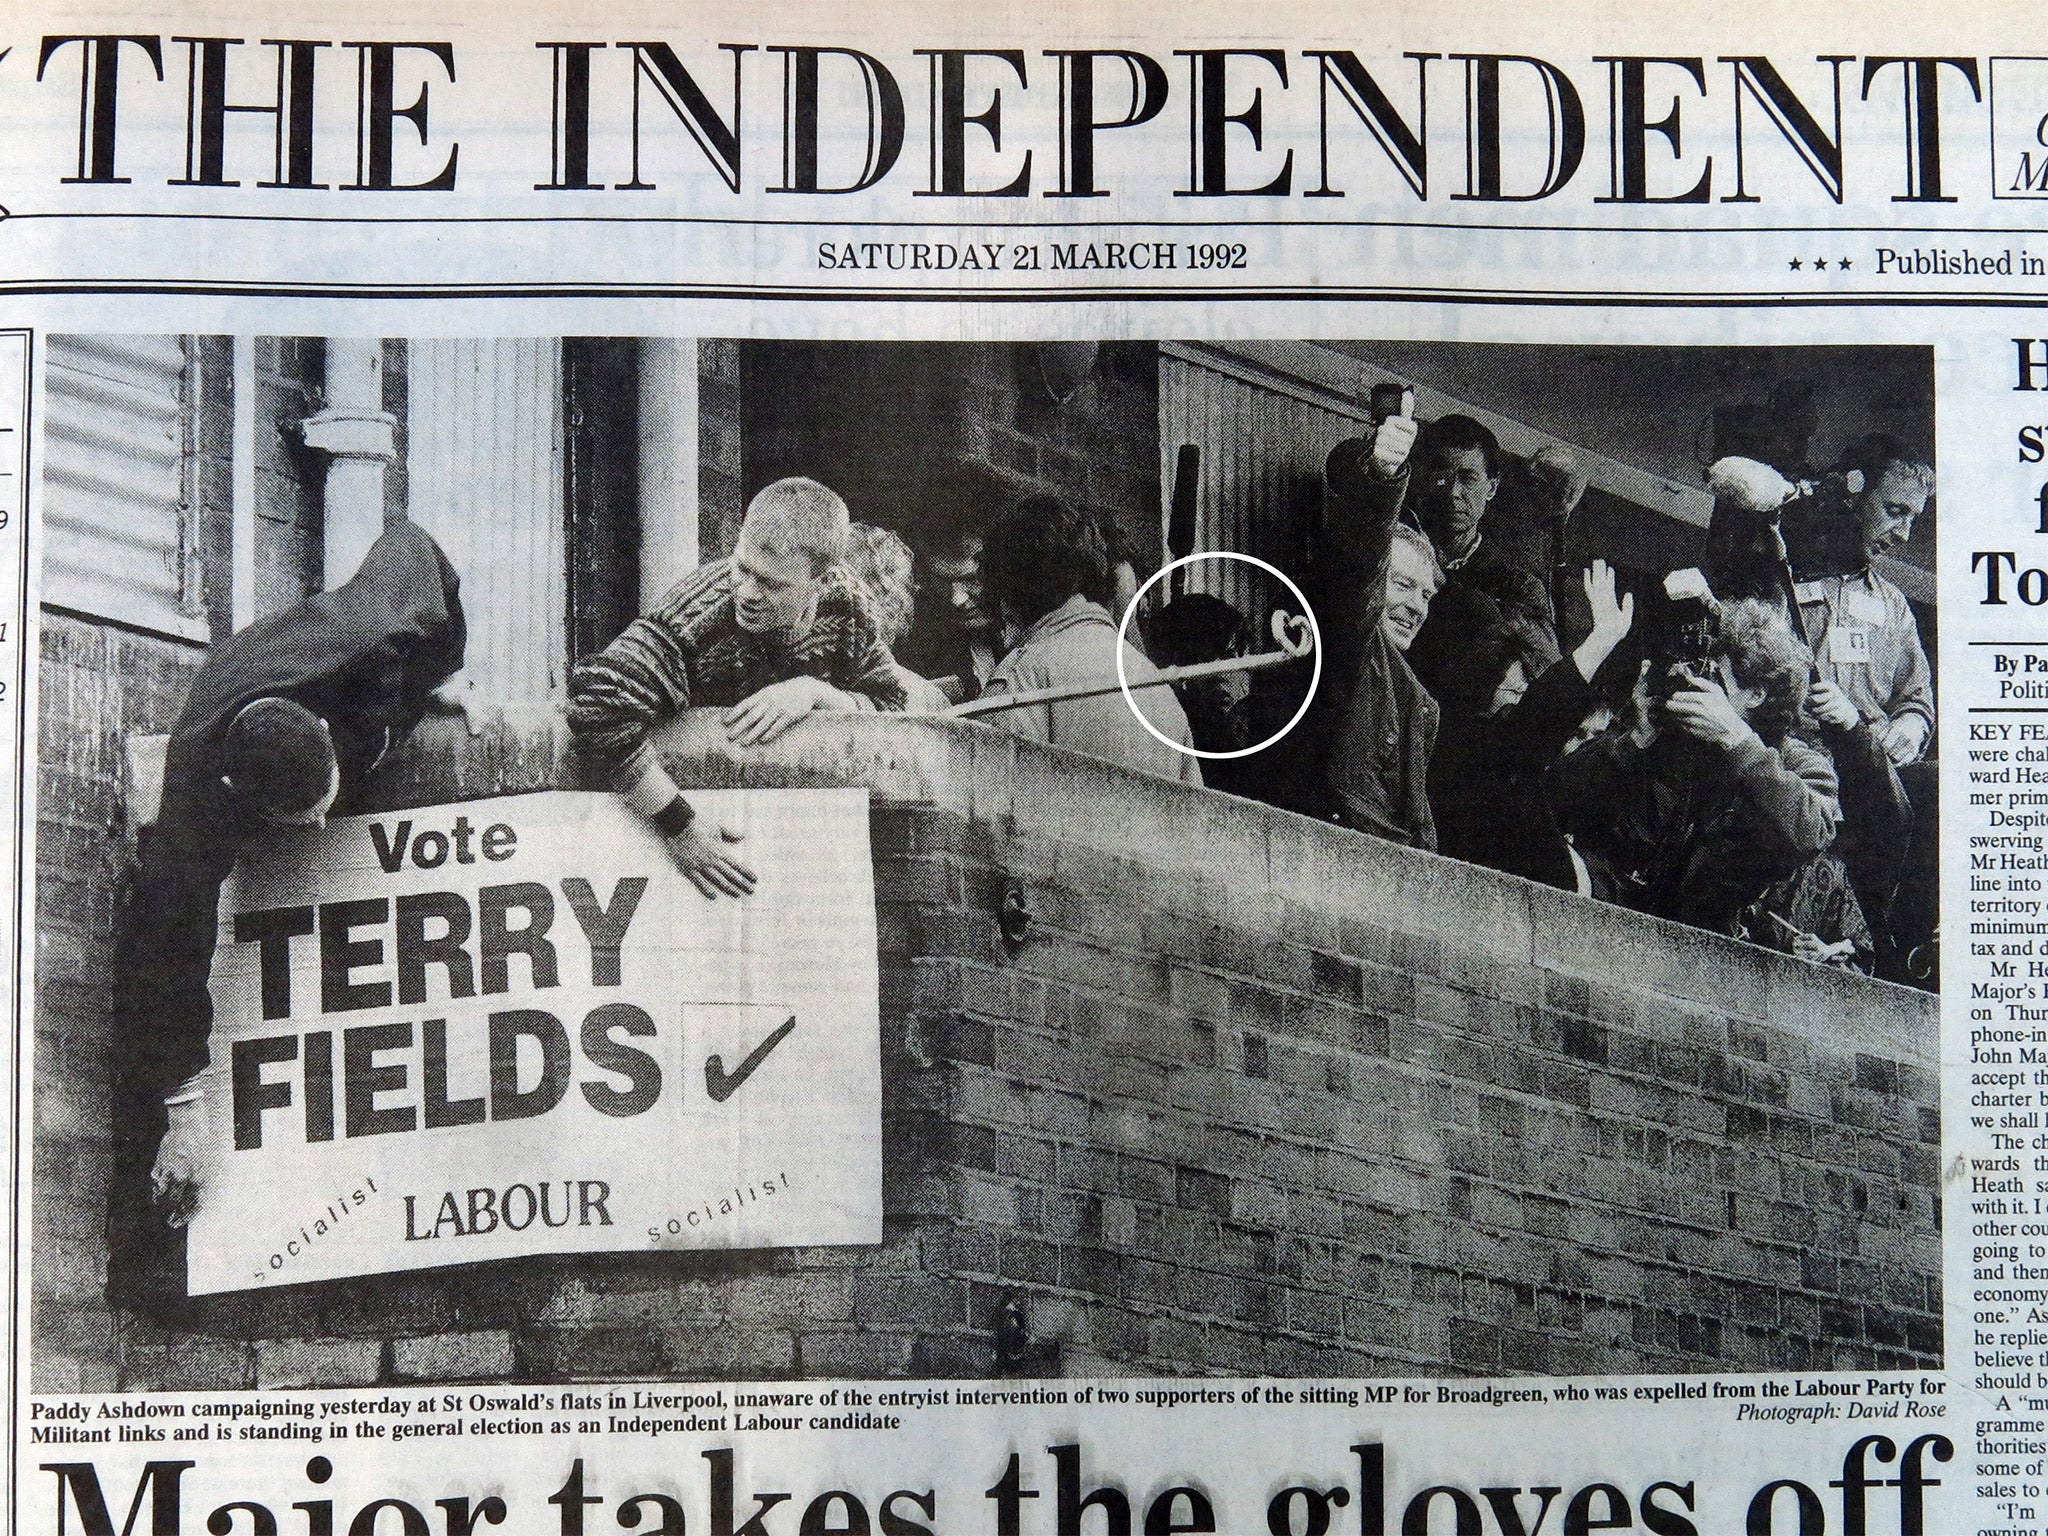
{"x": 992, "y": 777}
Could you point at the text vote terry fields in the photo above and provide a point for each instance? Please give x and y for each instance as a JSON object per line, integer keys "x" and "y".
{"x": 512, "y": 1027}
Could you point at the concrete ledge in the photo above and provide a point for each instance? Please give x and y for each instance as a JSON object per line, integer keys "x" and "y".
{"x": 1251, "y": 850}
{"x": 1255, "y": 1094}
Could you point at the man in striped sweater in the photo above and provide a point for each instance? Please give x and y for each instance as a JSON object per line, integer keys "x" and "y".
{"x": 774, "y": 632}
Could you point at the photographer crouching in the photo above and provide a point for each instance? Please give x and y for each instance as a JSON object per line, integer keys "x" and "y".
{"x": 1707, "y": 799}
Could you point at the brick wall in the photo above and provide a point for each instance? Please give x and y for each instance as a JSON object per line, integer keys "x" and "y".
{"x": 889, "y": 425}
{"x": 98, "y": 686}
{"x": 290, "y": 528}
{"x": 1254, "y": 1095}
{"x": 721, "y": 495}
{"x": 1098, "y": 448}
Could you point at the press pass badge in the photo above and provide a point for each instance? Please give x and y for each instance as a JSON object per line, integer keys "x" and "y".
{"x": 1849, "y": 645}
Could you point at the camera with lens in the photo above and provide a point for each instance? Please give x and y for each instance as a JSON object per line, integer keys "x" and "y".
{"x": 1681, "y": 634}
{"x": 1822, "y": 537}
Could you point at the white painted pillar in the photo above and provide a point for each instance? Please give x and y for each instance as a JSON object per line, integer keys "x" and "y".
{"x": 668, "y": 464}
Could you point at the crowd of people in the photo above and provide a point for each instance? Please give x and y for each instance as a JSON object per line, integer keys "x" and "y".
{"x": 1742, "y": 746}
{"x": 1738, "y": 746}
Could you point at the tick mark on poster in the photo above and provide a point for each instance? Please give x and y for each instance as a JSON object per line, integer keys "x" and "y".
{"x": 721, "y": 1086}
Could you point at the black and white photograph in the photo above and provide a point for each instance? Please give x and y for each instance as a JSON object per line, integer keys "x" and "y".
{"x": 589, "y": 858}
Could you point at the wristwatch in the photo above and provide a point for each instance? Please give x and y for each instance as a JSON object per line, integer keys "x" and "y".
{"x": 674, "y": 819}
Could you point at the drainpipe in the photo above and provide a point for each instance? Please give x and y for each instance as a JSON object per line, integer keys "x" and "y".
{"x": 360, "y": 437}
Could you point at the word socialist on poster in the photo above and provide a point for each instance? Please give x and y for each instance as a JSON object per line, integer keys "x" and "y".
{"x": 512, "y": 1027}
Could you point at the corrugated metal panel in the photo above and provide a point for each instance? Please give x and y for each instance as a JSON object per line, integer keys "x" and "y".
{"x": 484, "y": 476}
{"x": 1261, "y": 471}
{"x": 115, "y": 477}
{"x": 1312, "y": 370}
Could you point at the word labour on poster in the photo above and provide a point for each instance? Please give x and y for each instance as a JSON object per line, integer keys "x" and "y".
{"x": 512, "y": 1027}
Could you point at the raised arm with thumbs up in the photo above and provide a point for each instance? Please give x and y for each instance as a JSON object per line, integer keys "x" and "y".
{"x": 1394, "y": 439}
{"x": 1361, "y": 754}
{"x": 1367, "y": 478}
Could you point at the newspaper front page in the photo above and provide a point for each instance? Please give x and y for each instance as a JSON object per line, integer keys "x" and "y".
{"x": 809, "y": 770}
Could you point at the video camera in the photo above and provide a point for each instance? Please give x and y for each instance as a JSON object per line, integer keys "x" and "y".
{"x": 1822, "y": 537}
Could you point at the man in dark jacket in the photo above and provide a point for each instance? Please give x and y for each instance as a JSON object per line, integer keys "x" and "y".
{"x": 285, "y": 720}
{"x": 1486, "y": 593}
{"x": 1361, "y": 754}
{"x": 1485, "y": 775}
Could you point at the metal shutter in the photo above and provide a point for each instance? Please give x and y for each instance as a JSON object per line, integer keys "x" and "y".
{"x": 1263, "y": 440}
{"x": 484, "y": 477}
{"x": 119, "y": 539}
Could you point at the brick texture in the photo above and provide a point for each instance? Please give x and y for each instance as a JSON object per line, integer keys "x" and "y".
{"x": 721, "y": 496}
{"x": 99, "y": 685}
{"x": 840, "y": 412}
{"x": 1254, "y": 1095}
